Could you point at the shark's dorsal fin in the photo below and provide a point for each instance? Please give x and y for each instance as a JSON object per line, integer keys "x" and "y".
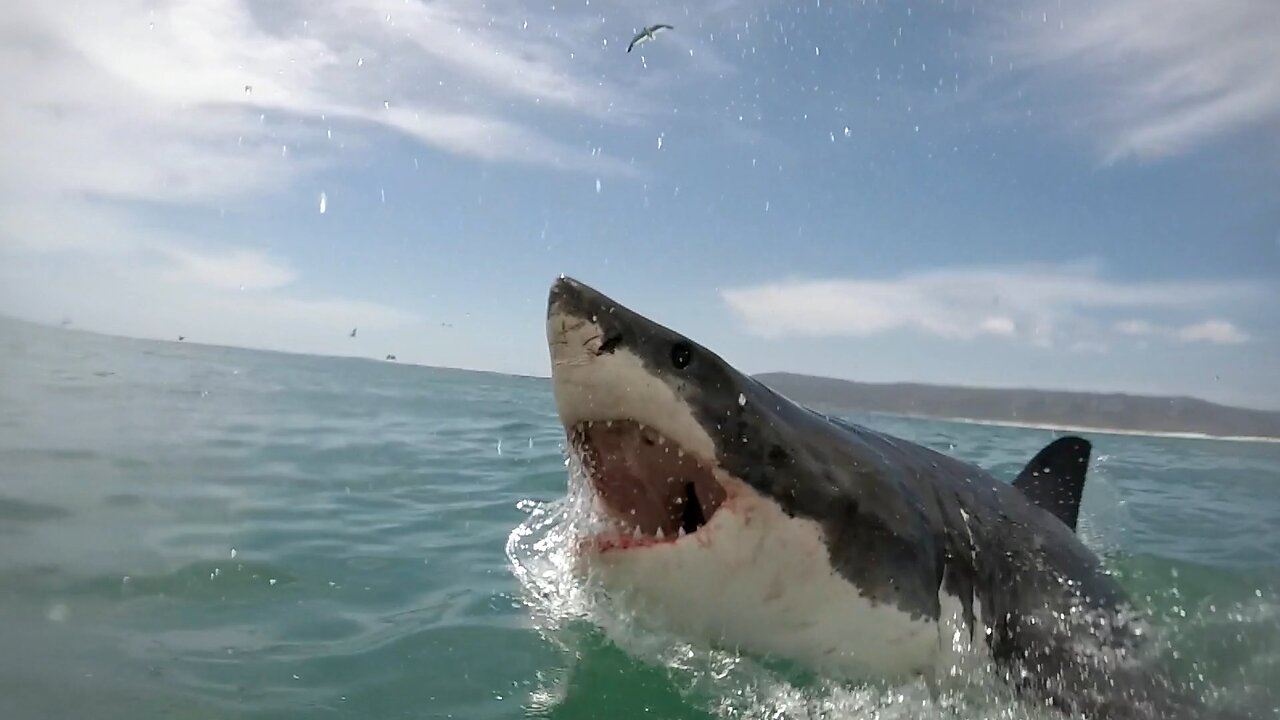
{"x": 1054, "y": 479}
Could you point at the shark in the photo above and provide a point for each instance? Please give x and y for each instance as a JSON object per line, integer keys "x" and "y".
{"x": 745, "y": 520}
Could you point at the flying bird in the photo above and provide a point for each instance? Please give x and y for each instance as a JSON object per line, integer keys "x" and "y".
{"x": 353, "y": 332}
{"x": 647, "y": 34}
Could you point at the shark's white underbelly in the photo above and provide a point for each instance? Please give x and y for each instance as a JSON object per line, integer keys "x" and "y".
{"x": 762, "y": 582}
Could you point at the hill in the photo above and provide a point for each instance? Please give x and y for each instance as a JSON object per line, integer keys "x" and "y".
{"x": 1116, "y": 411}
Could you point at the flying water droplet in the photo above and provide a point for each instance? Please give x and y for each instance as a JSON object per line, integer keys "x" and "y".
{"x": 742, "y": 400}
{"x": 248, "y": 89}
{"x": 324, "y": 203}
{"x": 597, "y": 185}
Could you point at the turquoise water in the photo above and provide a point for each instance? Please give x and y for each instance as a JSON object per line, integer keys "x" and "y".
{"x": 197, "y": 532}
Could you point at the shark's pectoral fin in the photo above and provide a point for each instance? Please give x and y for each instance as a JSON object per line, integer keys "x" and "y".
{"x": 1054, "y": 479}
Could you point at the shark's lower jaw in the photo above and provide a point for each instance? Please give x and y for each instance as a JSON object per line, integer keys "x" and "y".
{"x": 653, "y": 491}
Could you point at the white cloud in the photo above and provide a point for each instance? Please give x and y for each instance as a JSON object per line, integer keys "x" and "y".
{"x": 1219, "y": 332}
{"x": 227, "y": 268}
{"x": 199, "y": 99}
{"x": 1041, "y": 305}
{"x": 112, "y": 110}
{"x": 1214, "y": 331}
{"x": 1153, "y": 78}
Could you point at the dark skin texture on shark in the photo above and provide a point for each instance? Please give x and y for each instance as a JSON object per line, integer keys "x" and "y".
{"x": 902, "y": 521}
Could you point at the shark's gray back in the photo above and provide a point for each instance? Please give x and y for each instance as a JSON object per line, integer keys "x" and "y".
{"x": 903, "y": 521}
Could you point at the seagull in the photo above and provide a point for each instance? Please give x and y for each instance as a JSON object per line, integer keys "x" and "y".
{"x": 353, "y": 332}
{"x": 647, "y": 34}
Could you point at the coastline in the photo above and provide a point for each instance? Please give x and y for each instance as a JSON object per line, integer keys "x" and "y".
{"x": 1102, "y": 431}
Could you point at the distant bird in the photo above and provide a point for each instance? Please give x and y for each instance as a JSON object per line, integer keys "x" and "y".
{"x": 181, "y": 338}
{"x": 353, "y": 332}
{"x": 391, "y": 357}
{"x": 647, "y": 34}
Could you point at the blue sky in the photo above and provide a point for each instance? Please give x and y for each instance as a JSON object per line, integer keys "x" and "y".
{"x": 1009, "y": 193}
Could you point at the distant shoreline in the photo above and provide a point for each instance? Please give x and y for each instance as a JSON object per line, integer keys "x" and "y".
{"x": 1060, "y": 410}
{"x": 1098, "y": 430}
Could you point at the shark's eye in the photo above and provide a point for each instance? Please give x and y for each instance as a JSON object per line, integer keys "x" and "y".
{"x": 681, "y": 355}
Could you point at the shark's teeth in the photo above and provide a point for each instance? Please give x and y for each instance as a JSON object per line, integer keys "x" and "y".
{"x": 680, "y": 533}
{"x": 659, "y": 534}
{"x": 635, "y": 533}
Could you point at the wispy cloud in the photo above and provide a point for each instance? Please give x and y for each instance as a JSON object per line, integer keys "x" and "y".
{"x": 1151, "y": 78}
{"x": 1216, "y": 331}
{"x": 112, "y": 275}
{"x": 196, "y": 99}
{"x": 1043, "y": 305}
{"x": 113, "y": 111}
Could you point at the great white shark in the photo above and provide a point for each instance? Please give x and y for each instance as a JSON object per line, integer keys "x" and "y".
{"x": 751, "y": 522}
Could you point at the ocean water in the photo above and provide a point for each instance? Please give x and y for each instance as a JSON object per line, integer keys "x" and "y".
{"x": 198, "y": 532}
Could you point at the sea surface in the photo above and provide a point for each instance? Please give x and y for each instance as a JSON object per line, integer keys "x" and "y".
{"x": 202, "y": 532}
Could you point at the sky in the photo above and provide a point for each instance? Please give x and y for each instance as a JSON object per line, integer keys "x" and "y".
{"x": 1015, "y": 193}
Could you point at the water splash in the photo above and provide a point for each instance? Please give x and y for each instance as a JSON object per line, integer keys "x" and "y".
{"x": 575, "y": 615}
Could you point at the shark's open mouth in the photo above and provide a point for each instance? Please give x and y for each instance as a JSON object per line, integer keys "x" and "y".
{"x": 654, "y": 490}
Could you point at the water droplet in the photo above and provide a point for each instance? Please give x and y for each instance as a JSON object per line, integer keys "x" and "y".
{"x": 659, "y": 142}
{"x": 233, "y": 553}
{"x": 248, "y": 89}
{"x": 324, "y": 203}
{"x": 284, "y": 151}
{"x": 742, "y": 400}
{"x": 846, "y": 131}
{"x": 597, "y": 185}
{"x": 272, "y": 581}
{"x": 360, "y": 62}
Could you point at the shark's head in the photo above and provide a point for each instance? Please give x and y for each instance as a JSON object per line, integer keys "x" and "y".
{"x": 692, "y": 461}
{"x": 647, "y": 410}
